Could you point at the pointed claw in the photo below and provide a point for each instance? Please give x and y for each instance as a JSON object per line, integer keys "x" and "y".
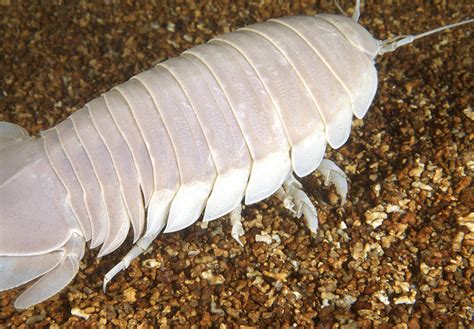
{"x": 112, "y": 273}
{"x": 106, "y": 282}
{"x": 122, "y": 265}
{"x": 236, "y": 221}
{"x": 156, "y": 221}
{"x": 287, "y": 201}
{"x": 236, "y": 234}
{"x": 301, "y": 204}
{"x": 334, "y": 175}
{"x": 290, "y": 205}
{"x": 308, "y": 210}
{"x": 139, "y": 248}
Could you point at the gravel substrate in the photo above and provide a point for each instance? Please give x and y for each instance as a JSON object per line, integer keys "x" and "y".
{"x": 399, "y": 253}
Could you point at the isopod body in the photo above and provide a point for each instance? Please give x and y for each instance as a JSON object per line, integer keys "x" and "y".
{"x": 225, "y": 121}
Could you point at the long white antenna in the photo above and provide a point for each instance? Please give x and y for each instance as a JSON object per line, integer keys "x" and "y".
{"x": 392, "y": 44}
{"x": 356, "y": 14}
{"x": 343, "y": 13}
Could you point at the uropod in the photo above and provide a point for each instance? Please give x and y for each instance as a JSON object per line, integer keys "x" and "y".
{"x": 226, "y": 121}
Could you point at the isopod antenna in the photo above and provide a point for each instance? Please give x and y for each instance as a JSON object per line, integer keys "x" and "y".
{"x": 394, "y": 43}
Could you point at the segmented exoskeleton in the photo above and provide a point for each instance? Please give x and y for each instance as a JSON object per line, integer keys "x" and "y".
{"x": 225, "y": 121}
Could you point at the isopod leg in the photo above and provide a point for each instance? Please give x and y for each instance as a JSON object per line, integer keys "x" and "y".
{"x": 139, "y": 248}
{"x": 297, "y": 202}
{"x": 334, "y": 175}
{"x": 236, "y": 221}
{"x": 156, "y": 221}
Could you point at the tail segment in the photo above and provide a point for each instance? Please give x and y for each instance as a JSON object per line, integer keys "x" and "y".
{"x": 11, "y": 134}
{"x": 39, "y": 234}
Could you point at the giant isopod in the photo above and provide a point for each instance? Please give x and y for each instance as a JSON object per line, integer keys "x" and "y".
{"x": 227, "y": 121}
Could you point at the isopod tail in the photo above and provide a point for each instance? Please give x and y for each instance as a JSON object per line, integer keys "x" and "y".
{"x": 40, "y": 235}
{"x": 11, "y": 134}
{"x": 55, "y": 271}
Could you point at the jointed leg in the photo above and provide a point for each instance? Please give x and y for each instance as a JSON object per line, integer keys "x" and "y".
{"x": 236, "y": 221}
{"x": 333, "y": 174}
{"x": 297, "y": 202}
{"x": 139, "y": 248}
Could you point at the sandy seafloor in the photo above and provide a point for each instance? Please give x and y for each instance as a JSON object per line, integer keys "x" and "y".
{"x": 397, "y": 254}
